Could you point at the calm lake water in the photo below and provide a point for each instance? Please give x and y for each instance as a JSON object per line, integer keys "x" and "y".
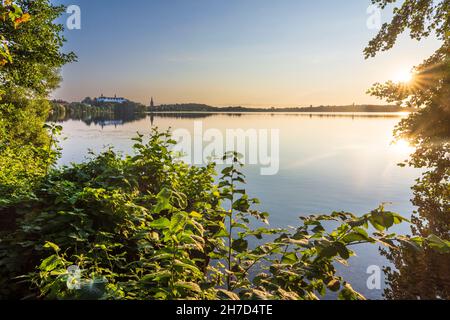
{"x": 328, "y": 162}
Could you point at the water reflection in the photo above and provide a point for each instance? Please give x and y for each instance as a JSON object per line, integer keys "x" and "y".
{"x": 121, "y": 118}
{"x": 291, "y": 114}
{"x": 417, "y": 275}
{"x": 424, "y": 274}
{"x": 202, "y": 115}
{"x": 100, "y": 119}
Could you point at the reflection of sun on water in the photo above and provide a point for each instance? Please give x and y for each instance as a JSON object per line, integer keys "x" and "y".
{"x": 402, "y": 147}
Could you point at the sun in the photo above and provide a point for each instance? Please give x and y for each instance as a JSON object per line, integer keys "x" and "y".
{"x": 403, "y": 76}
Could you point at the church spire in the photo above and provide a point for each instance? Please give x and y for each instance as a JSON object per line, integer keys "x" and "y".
{"x": 152, "y": 104}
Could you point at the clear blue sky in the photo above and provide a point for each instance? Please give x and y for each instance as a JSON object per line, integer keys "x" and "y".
{"x": 229, "y": 52}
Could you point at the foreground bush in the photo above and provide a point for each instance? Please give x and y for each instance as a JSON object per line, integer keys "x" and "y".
{"x": 150, "y": 227}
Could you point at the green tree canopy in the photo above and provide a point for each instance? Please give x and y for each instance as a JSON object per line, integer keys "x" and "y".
{"x": 35, "y": 49}
{"x": 30, "y": 59}
{"x": 10, "y": 14}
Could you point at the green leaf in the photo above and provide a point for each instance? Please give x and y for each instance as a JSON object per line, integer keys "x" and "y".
{"x": 437, "y": 243}
{"x": 334, "y": 285}
{"x": 348, "y": 293}
{"x": 52, "y": 245}
{"x": 334, "y": 249}
{"x": 188, "y": 266}
{"x": 289, "y": 258}
{"x": 242, "y": 204}
{"x": 163, "y": 201}
{"x": 162, "y": 223}
{"x": 177, "y": 222}
{"x": 300, "y": 242}
{"x": 382, "y": 220}
{"x": 328, "y": 252}
{"x": 101, "y": 246}
{"x": 227, "y": 295}
{"x": 156, "y": 276}
{"x": 195, "y": 214}
{"x": 188, "y": 285}
{"x": 357, "y": 235}
{"x": 227, "y": 170}
{"x": 223, "y": 233}
{"x": 51, "y": 263}
{"x": 240, "y": 245}
{"x": 342, "y": 250}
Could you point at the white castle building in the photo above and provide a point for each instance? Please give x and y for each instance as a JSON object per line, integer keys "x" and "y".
{"x": 111, "y": 99}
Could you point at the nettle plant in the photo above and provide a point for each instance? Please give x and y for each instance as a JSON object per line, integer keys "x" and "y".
{"x": 148, "y": 226}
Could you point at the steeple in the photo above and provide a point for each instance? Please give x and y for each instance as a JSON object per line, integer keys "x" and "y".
{"x": 152, "y": 104}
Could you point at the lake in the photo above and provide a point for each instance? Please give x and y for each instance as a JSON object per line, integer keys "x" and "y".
{"x": 327, "y": 162}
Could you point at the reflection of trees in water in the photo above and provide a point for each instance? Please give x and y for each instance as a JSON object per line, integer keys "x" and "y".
{"x": 115, "y": 119}
{"x": 345, "y": 115}
{"x": 419, "y": 275}
{"x": 188, "y": 115}
{"x": 181, "y": 115}
{"x": 425, "y": 274}
{"x": 100, "y": 119}
{"x": 204, "y": 115}
{"x": 121, "y": 118}
{"x": 176, "y": 115}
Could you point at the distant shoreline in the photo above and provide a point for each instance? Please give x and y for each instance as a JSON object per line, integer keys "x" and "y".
{"x": 202, "y": 108}
{"x": 200, "y": 114}
{"x": 282, "y": 112}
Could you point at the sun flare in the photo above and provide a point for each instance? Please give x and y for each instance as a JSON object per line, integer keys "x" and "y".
{"x": 403, "y": 76}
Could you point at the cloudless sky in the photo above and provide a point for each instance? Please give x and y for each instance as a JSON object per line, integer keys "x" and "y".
{"x": 230, "y": 52}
